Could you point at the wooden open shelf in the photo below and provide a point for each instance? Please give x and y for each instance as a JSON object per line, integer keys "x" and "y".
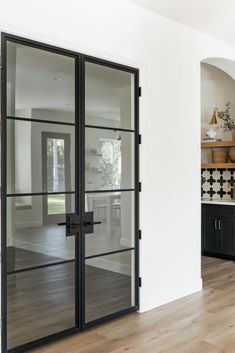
{"x": 218, "y": 144}
{"x": 218, "y": 165}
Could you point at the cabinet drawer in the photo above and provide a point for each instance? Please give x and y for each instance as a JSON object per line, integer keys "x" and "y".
{"x": 217, "y": 210}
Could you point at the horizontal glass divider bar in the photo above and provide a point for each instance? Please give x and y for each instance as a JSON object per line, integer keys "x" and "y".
{"x": 40, "y": 266}
{"x": 109, "y": 253}
{"x": 114, "y": 65}
{"x": 44, "y": 340}
{"x": 40, "y": 121}
{"x": 107, "y": 191}
{"x": 42, "y": 193}
{"x": 108, "y": 128}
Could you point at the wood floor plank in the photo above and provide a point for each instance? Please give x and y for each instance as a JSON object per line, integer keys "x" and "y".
{"x": 200, "y": 323}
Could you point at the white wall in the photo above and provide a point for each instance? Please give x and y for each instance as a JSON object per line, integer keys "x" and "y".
{"x": 168, "y": 55}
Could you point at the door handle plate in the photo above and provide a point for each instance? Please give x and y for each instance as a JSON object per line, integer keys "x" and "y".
{"x": 73, "y": 223}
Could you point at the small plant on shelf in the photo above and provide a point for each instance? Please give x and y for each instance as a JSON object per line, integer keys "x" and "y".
{"x": 229, "y": 124}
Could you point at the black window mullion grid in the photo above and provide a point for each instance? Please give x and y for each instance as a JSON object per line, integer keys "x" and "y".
{"x": 42, "y": 121}
{"x": 136, "y": 160}
{"x": 109, "y": 253}
{"x": 77, "y": 191}
{"x": 26, "y": 269}
{"x": 4, "y": 39}
{"x": 80, "y": 187}
{"x": 108, "y": 191}
{"x": 3, "y": 195}
{"x": 80, "y": 130}
{"x": 136, "y": 166}
{"x": 42, "y": 193}
{"x": 108, "y": 128}
{"x": 137, "y": 190}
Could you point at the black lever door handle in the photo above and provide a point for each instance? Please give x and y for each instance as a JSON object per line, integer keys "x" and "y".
{"x": 91, "y": 223}
{"x": 75, "y": 225}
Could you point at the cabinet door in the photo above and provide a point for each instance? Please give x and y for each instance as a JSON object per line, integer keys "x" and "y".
{"x": 227, "y": 230}
{"x": 211, "y": 238}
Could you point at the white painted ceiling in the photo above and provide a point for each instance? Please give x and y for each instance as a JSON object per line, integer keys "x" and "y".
{"x": 215, "y": 18}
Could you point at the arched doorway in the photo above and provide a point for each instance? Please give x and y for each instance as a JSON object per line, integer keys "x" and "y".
{"x": 217, "y": 169}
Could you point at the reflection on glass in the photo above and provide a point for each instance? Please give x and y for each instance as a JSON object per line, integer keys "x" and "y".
{"x": 115, "y": 211}
{"x": 40, "y": 303}
{"x": 40, "y": 157}
{"x": 56, "y": 204}
{"x": 40, "y": 84}
{"x": 109, "y": 284}
{"x": 55, "y": 164}
{"x": 109, "y": 97}
{"x": 31, "y": 241}
{"x": 109, "y": 159}
{"x": 56, "y": 174}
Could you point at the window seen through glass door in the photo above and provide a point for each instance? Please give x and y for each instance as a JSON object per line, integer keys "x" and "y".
{"x": 55, "y": 175}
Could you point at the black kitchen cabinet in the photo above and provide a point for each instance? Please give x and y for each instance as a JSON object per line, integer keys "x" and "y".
{"x": 218, "y": 231}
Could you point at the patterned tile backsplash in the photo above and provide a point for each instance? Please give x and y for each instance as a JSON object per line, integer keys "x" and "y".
{"x": 217, "y": 183}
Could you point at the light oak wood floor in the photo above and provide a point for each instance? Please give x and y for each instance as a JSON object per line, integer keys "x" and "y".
{"x": 200, "y": 323}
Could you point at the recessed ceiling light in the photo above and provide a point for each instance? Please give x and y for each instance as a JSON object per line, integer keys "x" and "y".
{"x": 57, "y": 78}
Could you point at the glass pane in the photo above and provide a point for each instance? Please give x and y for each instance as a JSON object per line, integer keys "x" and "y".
{"x": 31, "y": 239}
{"x": 40, "y": 303}
{"x": 109, "y": 97}
{"x": 40, "y": 157}
{"x": 40, "y": 84}
{"x": 110, "y": 284}
{"x": 115, "y": 211}
{"x": 56, "y": 204}
{"x": 109, "y": 160}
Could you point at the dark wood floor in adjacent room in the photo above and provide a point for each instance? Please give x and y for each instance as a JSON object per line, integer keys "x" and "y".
{"x": 200, "y": 323}
{"x": 42, "y": 302}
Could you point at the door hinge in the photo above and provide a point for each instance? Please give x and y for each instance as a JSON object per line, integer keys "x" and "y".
{"x": 140, "y": 186}
{"x": 140, "y": 139}
{"x": 140, "y": 91}
{"x": 140, "y": 282}
{"x": 140, "y": 234}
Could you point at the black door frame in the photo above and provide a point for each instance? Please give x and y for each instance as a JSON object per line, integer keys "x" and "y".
{"x": 80, "y": 61}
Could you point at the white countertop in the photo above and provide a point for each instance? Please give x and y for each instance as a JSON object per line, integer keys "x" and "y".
{"x": 218, "y": 202}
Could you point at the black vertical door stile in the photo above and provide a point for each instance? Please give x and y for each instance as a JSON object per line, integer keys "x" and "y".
{"x": 69, "y": 192}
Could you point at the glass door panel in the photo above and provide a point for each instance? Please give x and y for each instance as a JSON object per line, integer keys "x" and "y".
{"x": 70, "y": 192}
{"x": 40, "y": 193}
{"x": 30, "y": 241}
{"x": 34, "y": 166}
{"x": 40, "y": 84}
{"x": 109, "y": 191}
{"x": 109, "y": 97}
{"x": 110, "y": 284}
{"x": 38, "y": 308}
{"x": 115, "y": 213}
{"x": 109, "y": 159}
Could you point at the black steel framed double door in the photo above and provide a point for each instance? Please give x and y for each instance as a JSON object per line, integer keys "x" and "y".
{"x": 70, "y": 187}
